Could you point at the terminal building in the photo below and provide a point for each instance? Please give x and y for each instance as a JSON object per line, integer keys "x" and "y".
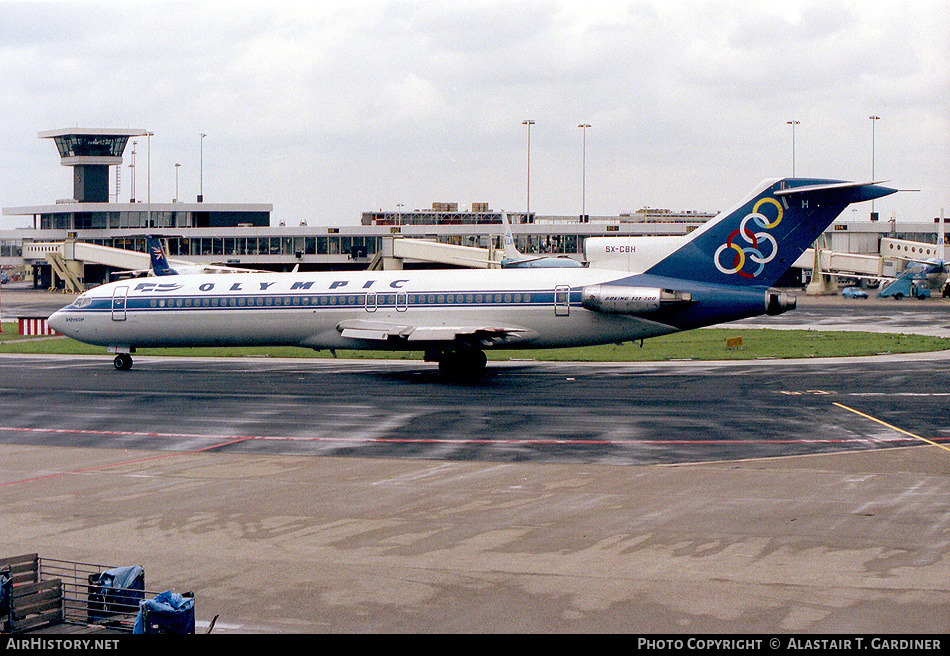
{"x": 243, "y": 235}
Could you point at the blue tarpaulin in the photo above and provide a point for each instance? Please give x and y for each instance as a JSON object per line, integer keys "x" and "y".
{"x": 168, "y": 612}
{"x": 117, "y": 590}
{"x": 123, "y": 585}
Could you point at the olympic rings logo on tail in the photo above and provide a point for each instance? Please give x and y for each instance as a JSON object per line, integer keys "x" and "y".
{"x": 748, "y": 259}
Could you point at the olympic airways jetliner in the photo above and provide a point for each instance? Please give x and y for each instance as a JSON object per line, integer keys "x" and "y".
{"x": 721, "y": 272}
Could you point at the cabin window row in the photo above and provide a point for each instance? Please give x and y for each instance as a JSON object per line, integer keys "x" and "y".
{"x": 358, "y": 299}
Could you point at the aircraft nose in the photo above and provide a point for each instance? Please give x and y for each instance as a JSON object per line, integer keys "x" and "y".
{"x": 56, "y": 321}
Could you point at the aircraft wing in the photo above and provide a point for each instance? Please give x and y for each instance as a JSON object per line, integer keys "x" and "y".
{"x": 479, "y": 260}
{"x": 385, "y": 332}
{"x": 184, "y": 266}
{"x": 931, "y": 262}
{"x": 132, "y": 273}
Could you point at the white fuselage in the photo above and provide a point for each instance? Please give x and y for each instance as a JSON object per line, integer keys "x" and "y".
{"x": 536, "y": 308}
{"x": 720, "y": 272}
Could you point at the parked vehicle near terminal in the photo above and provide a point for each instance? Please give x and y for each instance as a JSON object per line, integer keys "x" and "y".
{"x": 906, "y": 287}
{"x": 854, "y": 292}
{"x": 916, "y": 280}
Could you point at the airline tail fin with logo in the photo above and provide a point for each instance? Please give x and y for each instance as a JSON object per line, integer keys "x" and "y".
{"x": 515, "y": 259}
{"x": 755, "y": 243}
{"x": 160, "y": 266}
{"x": 511, "y": 251}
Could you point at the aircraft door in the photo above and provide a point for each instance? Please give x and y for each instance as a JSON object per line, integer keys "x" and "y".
{"x": 119, "y": 295}
{"x": 402, "y": 302}
{"x": 371, "y": 302}
{"x": 562, "y": 300}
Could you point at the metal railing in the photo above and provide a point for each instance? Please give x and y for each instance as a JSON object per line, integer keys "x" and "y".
{"x": 87, "y": 602}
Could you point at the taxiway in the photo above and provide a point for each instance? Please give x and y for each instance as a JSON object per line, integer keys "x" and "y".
{"x": 298, "y": 496}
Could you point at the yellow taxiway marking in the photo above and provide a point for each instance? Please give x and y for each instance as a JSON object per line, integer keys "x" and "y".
{"x": 891, "y": 426}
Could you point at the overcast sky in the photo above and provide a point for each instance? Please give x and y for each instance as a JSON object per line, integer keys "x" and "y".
{"x": 328, "y": 109}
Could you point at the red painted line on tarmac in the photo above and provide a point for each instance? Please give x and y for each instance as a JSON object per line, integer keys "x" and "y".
{"x": 112, "y": 464}
{"x": 227, "y": 440}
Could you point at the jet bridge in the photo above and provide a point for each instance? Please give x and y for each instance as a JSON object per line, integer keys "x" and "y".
{"x": 396, "y": 250}
{"x": 895, "y": 255}
{"x": 67, "y": 259}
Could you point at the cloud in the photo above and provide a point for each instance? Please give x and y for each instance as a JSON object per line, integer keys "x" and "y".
{"x": 327, "y": 109}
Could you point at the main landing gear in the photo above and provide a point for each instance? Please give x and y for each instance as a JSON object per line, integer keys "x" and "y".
{"x": 123, "y": 362}
{"x": 462, "y": 362}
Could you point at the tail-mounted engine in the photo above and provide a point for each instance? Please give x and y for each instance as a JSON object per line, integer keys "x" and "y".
{"x": 617, "y": 299}
{"x": 777, "y": 301}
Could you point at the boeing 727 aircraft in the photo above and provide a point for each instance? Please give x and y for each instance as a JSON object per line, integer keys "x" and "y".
{"x": 514, "y": 259}
{"x": 161, "y": 266}
{"x": 723, "y": 271}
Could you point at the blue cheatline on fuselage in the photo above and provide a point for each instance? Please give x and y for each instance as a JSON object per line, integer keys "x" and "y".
{"x": 722, "y": 272}
{"x": 156, "y": 299}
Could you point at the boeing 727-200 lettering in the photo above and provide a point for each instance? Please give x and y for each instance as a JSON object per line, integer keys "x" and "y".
{"x": 723, "y": 271}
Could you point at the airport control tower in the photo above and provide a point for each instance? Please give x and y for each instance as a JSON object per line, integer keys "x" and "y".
{"x": 91, "y": 151}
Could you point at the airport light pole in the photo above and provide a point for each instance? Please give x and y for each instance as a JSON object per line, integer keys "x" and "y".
{"x": 177, "y": 165}
{"x": 201, "y": 169}
{"x": 873, "y": 119}
{"x": 529, "y": 123}
{"x": 793, "y": 124}
{"x": 132, "y": 166}
{"x": 583, "y": 127}
{"x": 148, "y": 177}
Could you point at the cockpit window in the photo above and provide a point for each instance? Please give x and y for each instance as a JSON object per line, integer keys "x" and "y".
{"x": 81, "y": 301}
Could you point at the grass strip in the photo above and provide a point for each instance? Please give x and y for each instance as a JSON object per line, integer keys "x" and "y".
{"x": 705, "y": 344}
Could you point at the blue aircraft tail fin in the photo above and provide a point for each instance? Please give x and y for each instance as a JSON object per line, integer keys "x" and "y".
{"x": 160, "y": 264}
{"x": 755, "y": 243}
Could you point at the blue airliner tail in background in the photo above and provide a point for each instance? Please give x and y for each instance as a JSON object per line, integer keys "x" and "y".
{"x": 160, "y": 266}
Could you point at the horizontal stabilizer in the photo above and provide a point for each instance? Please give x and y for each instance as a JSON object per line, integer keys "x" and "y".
{"x": 844, "y": 192}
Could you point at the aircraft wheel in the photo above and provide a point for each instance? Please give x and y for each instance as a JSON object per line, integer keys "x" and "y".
{"x": 464, "y": 365}
{"x": 477, "y": 361}
{"x": 123, "y": 362}
{"x": 446, "y": 364}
